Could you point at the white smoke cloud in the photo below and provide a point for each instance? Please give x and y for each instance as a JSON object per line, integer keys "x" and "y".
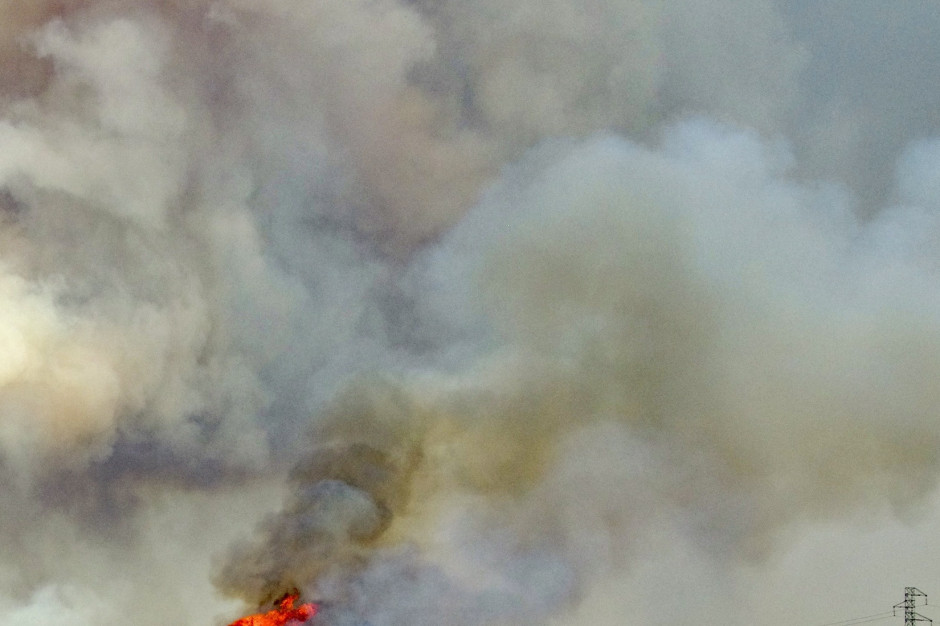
{"x": 685, "y": 335}
{"x": 620, "y": 282}
{"x": 62, "y": 606}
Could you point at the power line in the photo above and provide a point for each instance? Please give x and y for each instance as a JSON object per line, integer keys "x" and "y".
{"x": 877, "y": 619}
{"x": 910, "y": 600}
{"x": 864, "y": 619}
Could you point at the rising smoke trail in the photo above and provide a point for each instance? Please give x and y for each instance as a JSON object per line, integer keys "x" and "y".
{"x": 684, "y": 333}
{"x": 509, "y": 286}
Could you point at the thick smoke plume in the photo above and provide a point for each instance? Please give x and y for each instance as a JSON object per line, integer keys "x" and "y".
{"x": 683, "y": 333}
{"x": 457, "y": 312}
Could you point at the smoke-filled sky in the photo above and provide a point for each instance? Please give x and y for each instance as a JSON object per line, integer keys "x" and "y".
{"x": 469, "y": 312}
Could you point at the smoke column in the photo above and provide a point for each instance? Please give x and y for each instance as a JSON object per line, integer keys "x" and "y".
{"x": 466, "y": 312}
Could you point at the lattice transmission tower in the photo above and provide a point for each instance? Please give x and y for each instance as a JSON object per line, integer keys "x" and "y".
{"x": 910, "y": 601}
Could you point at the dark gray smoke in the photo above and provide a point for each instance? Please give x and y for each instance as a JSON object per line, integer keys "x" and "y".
{"x": 465, "y": 312}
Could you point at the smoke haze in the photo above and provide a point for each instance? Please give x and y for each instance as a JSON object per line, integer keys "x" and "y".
{"x": 466, "y": 313}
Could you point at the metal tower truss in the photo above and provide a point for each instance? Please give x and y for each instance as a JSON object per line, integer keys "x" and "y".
{"x": 910, "y": 601}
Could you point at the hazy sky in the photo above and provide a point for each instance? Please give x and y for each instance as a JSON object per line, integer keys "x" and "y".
{"x": 469, "y": 312}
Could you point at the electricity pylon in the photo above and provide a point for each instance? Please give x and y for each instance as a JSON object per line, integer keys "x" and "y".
{"x": 910, "y": 601}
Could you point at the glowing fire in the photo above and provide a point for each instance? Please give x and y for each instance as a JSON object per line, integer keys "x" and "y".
{"x": 284, "y": 614}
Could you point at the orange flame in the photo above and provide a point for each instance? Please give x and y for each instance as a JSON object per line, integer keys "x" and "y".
{"x": 284, "y": 614}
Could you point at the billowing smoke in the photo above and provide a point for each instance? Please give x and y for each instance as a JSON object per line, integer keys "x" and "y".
{"x": 682, "y": 334}
{"x": 457, "y": 312}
